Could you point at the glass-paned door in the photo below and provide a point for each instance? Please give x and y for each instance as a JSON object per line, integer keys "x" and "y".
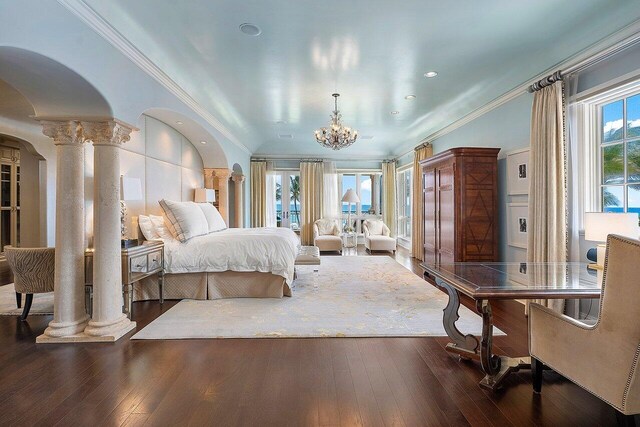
{"x": 9, "y": 197}
{"x": 288, "y": 199}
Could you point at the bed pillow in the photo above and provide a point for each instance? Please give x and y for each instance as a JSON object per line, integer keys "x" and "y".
{"x": 214, "y": 219}
{"x": 147, "y": 227}
{"x": 186, "y": 218}
{"x": 160, "y": 227}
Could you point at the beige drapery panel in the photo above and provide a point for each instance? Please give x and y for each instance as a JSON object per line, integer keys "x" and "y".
{"x": 311, "y": 190}
{"x": 417, "y": 205}
{"x": 258, "y": 194}
{"x": 547, "y": 228}
{"x": 389, "y": 211}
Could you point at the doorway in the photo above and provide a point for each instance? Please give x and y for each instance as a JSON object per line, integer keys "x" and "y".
{"x": 9, "y": 197}
{"x": 287, "y": 199}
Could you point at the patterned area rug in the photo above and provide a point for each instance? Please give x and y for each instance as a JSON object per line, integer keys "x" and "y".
{"x": 365, "y": 296}
{"x": 42, "y": 303}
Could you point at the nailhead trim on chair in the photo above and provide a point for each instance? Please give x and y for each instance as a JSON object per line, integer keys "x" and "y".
{"x": 637, "y": 356}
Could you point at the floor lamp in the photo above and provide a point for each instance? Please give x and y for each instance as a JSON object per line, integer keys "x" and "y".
{"x": 350, "y": 197}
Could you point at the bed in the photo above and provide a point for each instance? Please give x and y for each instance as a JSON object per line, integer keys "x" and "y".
{"x": 230, "y": 263}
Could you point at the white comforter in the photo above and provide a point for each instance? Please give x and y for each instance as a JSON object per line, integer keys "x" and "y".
{"x": 267, "y": 250}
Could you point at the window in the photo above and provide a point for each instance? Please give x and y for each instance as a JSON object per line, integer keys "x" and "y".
{"x": 404, "y": 180}
{"x": 367, "y": 186}
{"x": 619, "y": 152}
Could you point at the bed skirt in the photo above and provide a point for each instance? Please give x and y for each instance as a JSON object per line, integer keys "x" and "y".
{"x": 228, "y": 284}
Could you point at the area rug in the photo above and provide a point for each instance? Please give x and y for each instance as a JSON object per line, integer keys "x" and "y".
{"x": 365, "y": 296}
{"x": 42, "y": 303}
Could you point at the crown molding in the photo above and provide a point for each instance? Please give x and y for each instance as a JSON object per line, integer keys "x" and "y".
{"x": 328, "y": 156}
{"x": 627, "y": 35}
{"x": 98, "y": 24}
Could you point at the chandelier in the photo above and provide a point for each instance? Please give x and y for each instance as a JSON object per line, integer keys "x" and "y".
{"x": 336, "y": 136}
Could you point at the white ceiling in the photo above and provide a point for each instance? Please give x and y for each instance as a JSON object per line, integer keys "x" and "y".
{"x": 374, "y": 52}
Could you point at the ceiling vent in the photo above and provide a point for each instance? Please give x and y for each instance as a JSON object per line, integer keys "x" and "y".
{"x": 285, "y": 136}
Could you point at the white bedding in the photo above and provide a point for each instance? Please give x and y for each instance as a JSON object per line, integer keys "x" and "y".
{"x": 267, "y": 250}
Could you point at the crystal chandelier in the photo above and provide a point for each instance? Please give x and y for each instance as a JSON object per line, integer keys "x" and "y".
{"x": 336, "y": 136}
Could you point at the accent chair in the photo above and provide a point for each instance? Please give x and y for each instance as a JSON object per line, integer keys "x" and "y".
{"x": 377, "y": 236}
{"x": 602, "y": 358}
{"x": 326, "y": 235}
{"x": 33, "y": 273}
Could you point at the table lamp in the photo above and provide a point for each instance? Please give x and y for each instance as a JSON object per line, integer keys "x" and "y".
{"x": 598, "y": 225}
{"x": 205, "y": 195}
{"x": 350, "y": 196}
{"x": 130, "y": 190}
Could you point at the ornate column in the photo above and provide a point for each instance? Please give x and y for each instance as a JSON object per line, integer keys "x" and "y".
{"x": 109, "y": 322}
{"x": 69, "y": 315}
{"x": 218, "y": 179}
{"x": 239, "y": 199}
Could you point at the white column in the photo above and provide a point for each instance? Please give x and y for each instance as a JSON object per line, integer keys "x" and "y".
{"x": 69, "y": 315}
{"x": 108, "y": 322}
{"x": 238, "y": 217}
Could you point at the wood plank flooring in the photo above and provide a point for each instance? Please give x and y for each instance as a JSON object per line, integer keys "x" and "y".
{"x": 275, "y": 382}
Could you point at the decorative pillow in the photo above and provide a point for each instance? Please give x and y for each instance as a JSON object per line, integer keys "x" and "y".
{"x": 327, "y": 227}
{"x": 147, "y": 227}
{"x": 375, "y": 227}
{"x": 160, "y": 226}
{"x": 186, "y": 218}
{"x": 214, "y": 219}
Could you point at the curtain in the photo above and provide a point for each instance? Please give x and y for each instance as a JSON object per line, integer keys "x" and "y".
{"x": 271, "y": 219}
{"x": 330, "y": 197}
{"x": 547, "y": 231}
{"x": 417, "y": 205}
{"x": 311, "y": 193}
{"x": 258, "y": 194}
{"x": 389, "y": 211}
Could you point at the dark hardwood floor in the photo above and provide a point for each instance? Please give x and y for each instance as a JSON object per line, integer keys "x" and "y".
{"x": 275, "y": 382}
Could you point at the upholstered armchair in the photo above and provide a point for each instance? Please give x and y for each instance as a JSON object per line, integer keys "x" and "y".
{"x": 377, "y": 236}
{"x": 326, "y": 235}
{"x": 33, "y": 273}
{"x": 601, "y": 358}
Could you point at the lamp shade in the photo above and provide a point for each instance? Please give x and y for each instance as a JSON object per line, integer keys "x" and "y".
{"x": 205, "y": 195}
{"x": 598, "y": 225}
{"x": 130, "y": 189}
{"x": 350, "y": 196}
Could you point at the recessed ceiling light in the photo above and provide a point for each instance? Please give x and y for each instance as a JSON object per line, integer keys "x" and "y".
{"x": 250, "y": 29}
{"x": 179, "y": 122}
{"x": 410, "y": 97}
{"x": 430, "y": 74}
{"x": 393, "y": 113}
{"x": 203, "y": 142}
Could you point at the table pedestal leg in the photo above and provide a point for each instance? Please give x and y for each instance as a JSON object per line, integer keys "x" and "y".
{"x": 467, "y": 346}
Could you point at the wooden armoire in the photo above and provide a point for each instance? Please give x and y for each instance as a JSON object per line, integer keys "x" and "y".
{"x": 460, "y": 190}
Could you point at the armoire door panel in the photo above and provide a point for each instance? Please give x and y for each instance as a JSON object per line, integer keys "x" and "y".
{"x": 429, "y": 216}
{"x": 446, "y": 210}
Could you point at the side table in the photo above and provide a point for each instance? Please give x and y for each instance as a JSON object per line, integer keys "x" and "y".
{"x": 138, "y": 262}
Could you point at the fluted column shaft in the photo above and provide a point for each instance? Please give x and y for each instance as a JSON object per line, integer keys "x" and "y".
{"x": 108, "y": 318}
{"x": 238, "y": 201}
{"x": 69, "y": 315}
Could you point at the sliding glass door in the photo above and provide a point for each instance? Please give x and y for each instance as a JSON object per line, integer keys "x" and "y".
{"x": 287, "y": 199}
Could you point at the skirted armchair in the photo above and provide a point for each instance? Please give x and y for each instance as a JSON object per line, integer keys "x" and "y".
{"x": 326, "y": 235}
{"x": 377, "y": 236}
{"x": 33, "y": 273}
{"x": 603, "y": 358}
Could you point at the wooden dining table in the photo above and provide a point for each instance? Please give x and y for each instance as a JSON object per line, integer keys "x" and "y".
{"x": 487, "y": 282}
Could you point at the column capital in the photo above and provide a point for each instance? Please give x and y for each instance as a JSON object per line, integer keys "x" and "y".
{"x": 220, "y": 173}
{"x": 63, "y": 132}
{"x": 109, "y": 132}
{"x": 237, "y": 178}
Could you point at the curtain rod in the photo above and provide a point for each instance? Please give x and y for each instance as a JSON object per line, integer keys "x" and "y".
{"x": 423, "y": 145}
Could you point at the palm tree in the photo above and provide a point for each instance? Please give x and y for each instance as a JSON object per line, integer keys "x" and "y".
{"x": 294, "y": 189}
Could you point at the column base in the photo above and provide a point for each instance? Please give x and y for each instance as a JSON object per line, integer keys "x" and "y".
{"x": 63, "y": 329}
{"x": 109, "y": 328}
{"x": 82, "y": 337}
